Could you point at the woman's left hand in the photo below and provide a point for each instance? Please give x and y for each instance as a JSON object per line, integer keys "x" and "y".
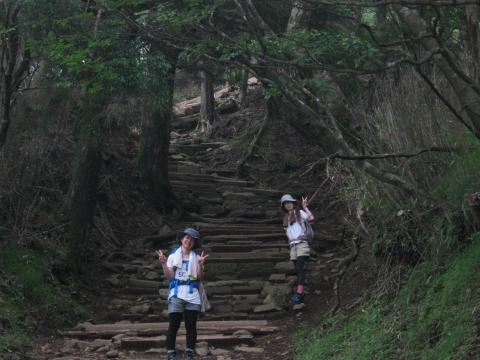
{"x": 304, "y": 202}
{"x": 202, "y": 258}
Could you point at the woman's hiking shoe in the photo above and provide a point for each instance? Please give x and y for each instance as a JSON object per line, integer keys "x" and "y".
{"x": 171, "y": 355}
{"x": 297, "y": 299}
{"x": 189, "y": 354}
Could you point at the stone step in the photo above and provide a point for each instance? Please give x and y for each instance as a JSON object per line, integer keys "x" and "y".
{"x": 224, "y": 238}
{"x": 143, "y": 343}
{"x": 213, "y": 184}
{"x": 251, "y": 219}
{"x": 245, "y": 257}
{"x": 88, "y": 330}
{"x": 243, "y": 247}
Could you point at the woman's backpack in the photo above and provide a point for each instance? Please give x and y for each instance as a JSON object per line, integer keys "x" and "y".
{"x": 309, "y": 234}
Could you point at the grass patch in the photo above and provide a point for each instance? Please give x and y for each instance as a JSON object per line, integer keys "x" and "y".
{"x": 30, "y": 298}
{"x": 432, "y": 318}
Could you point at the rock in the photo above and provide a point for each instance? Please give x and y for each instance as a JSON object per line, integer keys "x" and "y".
{"x": 70, "y": 345}
{"x": 242, "y": 332}
{"x": 153, "y": 275}
{"x": 119, "y": 302}
{"x": 227, "y": 107}
{"x": 140, "y": 309}
{"x": 266, "y": 308}
{"x": 103, "y": 349}
{"x": 276, "y": 290}
{"x": 178, "y": 156}
{"x": 252, "y": 81}
{"x": 97, "y": 344}
{"x": 202, "y": 348}
{"x": 165, "y": 230}
{"x": 46, "y": 348}
{"x": 286, "y": 266}
{"x": 217, "y": 352}
{"x": 277, "y": 278}
{"x": 299, "y": 307}
{"x": 115, "y": 281}
{"x": 226, "y": 148}
{"x": 112, "y": 354}
{"x": 248, "y": 349}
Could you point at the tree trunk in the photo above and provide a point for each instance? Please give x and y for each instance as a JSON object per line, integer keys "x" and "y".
{"x": 82, "y": 197}
{"x": 473, "y": 38}
{"x": 244, "y": 89}
{"x": 154, "y": 149}
{"x": 14, "y": 65}
{"x": 207, "y": 105}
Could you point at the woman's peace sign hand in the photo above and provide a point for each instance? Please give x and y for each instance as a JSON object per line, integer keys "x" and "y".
{"x": 304, "y": 202}
{"x": 201, "y": 258}
{"x": 161, "y": 256}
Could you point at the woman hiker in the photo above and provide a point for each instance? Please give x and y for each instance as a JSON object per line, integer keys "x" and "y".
{"x": 294, "y": 224}
{"x": 183, "y": 269}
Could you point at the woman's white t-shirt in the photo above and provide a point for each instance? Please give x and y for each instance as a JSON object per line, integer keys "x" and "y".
{"x": 183, "y": 290}
{"x": 295, "y": 230}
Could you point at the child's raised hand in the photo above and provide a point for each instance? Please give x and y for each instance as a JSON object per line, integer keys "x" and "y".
{"x": 161, "y": 256}
{"x": 304, "y": 202}
{"x": 202, "y": 258}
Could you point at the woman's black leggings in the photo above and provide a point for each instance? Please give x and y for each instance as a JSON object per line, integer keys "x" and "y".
{"x": 300, "y": 269}
{"x": 174, "y": 321}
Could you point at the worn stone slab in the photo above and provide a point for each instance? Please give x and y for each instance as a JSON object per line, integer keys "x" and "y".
{"x": 141, "y": 343}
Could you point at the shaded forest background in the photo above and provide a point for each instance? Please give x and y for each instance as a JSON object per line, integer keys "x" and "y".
{"x": 383, "y": 96}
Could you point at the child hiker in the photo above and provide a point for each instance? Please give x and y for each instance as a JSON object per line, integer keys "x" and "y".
{"x": 294, "y": 224}
{"x": 184, "y": 270}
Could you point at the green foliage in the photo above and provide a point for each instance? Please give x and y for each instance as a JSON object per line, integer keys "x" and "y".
{"x": 461, "y": 178}
{"x": 30, "y": 298}
{"x": 434, "y": 317}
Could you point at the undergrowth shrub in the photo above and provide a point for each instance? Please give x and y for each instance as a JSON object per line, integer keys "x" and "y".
{"x": 402, "y": 224}
{"x": 31, "y": 299}
{"x": 434, "y": 317}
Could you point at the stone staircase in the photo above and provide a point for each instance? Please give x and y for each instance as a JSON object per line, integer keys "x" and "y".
{"x": 248, "y": 273}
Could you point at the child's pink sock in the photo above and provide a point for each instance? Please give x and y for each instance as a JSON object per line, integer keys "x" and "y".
{"x": 300, "y": 289}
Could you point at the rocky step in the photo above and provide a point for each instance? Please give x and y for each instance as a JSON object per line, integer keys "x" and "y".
{"x": 210, "y": 183}
{"x": 144, "y": 343}
{"x": 232, "y": 228}
{"x": 194, "y": 148}
{"x": 252, "y": 218}
{"x": 186, "y": 176}
{"x": 225, "y": 237}
{"x": 88, "y": 330}
{"x": 244, "y": 246}
{"x": 222, "y": 171}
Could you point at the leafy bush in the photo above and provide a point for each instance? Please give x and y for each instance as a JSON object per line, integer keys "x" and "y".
{"x": 434, "y": 317}
{"x": 30, "y": 298}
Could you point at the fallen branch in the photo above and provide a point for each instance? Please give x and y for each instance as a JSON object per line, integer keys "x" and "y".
{"x": 390, "y": 156}
{"x": 241, "y": 172}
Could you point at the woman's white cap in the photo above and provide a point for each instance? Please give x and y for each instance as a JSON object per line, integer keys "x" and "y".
{"x": 287, "y": 198}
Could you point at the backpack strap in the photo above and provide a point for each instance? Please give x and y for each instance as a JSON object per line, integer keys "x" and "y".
{"x": 175, "y": 283}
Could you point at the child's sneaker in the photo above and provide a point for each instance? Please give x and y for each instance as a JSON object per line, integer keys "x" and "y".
{"x": 189, "y": 354}
{"x": 297, "y": 299}
{"x": 171, "y": 355}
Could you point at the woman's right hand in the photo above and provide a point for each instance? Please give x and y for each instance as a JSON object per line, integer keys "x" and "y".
{"x": 161, "y": 256}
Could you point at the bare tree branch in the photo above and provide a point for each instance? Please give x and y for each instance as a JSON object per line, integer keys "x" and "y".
{"x": 392, "y": 156}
